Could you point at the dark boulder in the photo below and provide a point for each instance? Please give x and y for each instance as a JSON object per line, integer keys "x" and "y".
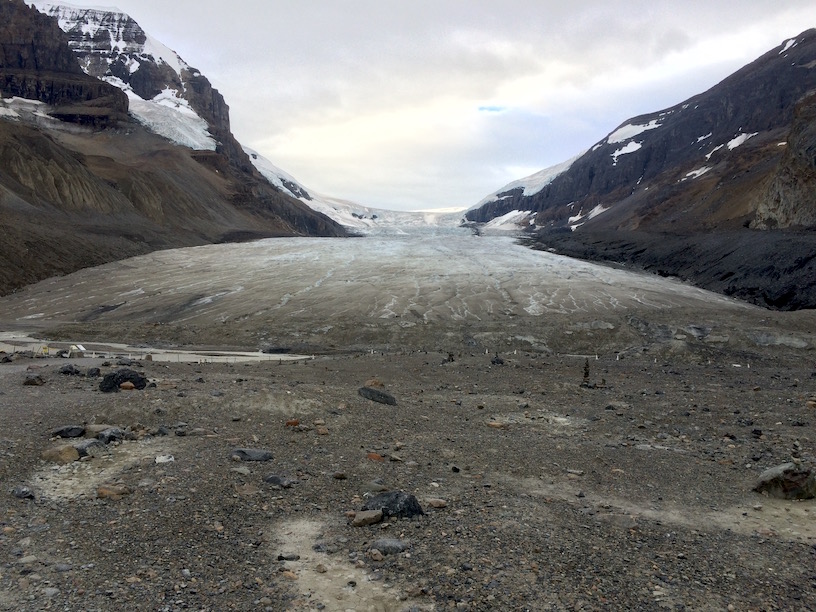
{"x": 395, "y": 503}
{"x": 111, "y": 382}
{"x": 375, "y": 395}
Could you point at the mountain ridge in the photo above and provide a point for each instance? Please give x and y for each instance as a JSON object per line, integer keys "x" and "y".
{"x": 709, "y": 175}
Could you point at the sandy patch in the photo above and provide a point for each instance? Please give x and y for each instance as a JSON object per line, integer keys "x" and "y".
{"x": 331, "y": 580}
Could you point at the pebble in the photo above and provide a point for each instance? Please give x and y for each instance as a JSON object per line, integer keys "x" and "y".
{"x": 339, "y": 476}
{"x": 435, "y": 502}
{"x": 68, "y": 431}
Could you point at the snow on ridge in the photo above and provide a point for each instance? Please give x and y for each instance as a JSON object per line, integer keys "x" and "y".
{"x": 630, "y": 130}
{"x": 788, "y": 45}
{"x": 531, "y": 184}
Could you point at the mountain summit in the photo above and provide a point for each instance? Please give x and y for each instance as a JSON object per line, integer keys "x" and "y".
{"x": 686, "y": 190}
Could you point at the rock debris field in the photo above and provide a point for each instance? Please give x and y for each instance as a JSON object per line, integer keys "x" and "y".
{"x": 525, "y": 456}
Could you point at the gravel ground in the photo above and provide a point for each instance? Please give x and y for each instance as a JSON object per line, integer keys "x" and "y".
{"x": 624, "y": 487}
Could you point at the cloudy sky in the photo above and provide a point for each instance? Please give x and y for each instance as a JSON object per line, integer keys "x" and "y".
{"x": 437, "y": 103}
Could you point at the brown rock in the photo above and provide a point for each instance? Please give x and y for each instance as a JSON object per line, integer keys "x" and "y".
{"x": 114, "y": 492}
{"x": 127, "y": 386}
{"x": 322, "y": 431}
{"x": 367, "y": 517}
{"x": 435, "y": 502}
{"x": 61, "y": 454}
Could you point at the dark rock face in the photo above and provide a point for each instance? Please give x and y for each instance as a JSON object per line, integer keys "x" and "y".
{"x": 790, "y": 200}
{"x": 36, "y": 63}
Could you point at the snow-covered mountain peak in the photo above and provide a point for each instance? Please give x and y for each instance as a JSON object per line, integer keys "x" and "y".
{"x": 94, "y": 30}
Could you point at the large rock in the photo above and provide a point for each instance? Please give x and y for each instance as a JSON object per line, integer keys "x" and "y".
{"x": 395, "y": 503}
{"x": 787, "y": 481}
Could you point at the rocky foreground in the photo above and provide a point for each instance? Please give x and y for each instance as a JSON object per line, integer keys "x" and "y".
{"x": 525, "y": 481}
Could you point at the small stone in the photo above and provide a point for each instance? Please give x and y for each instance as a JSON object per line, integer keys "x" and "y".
{"x": 320, "y": 568}
{"x": 22, "y": 492}
{"x": 50, "y": 592}
{"x": 290, "y": 575}
{"x": 68, "y": 431}
{"x": 61, "y": 454}
{"x": 288, "y": 557}
{"x": 367, "y": 517}
{"x": 242, "y": 469}
{"x": 322, "y": 431}
{"x": 280, "y": 481}
{"x": 497, "y": 425}
{"x": 112, "y": 434}
{"x": 28, "y": 560}
{"x": 435, "y": 502}
{"x": 390, "y": 546}
{"x": 375, "y": 555}
{"x": 251, "y": 454}
{"x": 293, "y": 422}
{"x": 339, "y": 476}
{"x": 165, "y": 459}
{"x": 127, "y": 386}
{"x": 375, "y": 457}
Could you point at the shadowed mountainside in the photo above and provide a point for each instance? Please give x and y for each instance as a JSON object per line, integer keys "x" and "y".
{"x": 82, "y": 184}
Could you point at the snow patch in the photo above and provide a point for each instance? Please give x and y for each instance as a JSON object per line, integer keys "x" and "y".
{"x": 735, "y": 142}
{"x": 713, "y": 151}
{"x": 697, "y": 173}
{"x": 630, "y": 130}
{"x": 511, "y": 221}
{"x": 706, "y": 137}
{"x": 630, "y": 147}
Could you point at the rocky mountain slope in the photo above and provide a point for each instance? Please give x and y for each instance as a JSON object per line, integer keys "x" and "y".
{"x": 696, "y": 181}
{"x": 84, "y": 182}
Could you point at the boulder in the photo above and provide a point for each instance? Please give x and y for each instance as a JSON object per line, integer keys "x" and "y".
{"x": 68, "y": 431}
{"x": 395, "y": 503}
{"x": 376, "y": 395}
{"x": 787, "y": 481}
{"x": 112, "y": 382}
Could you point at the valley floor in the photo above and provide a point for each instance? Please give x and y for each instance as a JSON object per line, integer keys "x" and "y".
{"x": 578, "y": 437}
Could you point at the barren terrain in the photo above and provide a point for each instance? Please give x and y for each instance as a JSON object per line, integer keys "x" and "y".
{"x": 578, "y": 437}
